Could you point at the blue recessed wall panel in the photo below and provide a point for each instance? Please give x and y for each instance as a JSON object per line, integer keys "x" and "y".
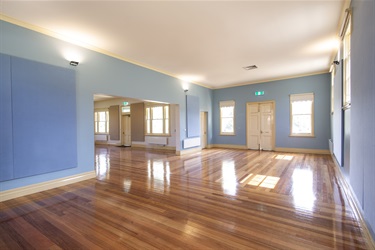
{"x": 44, "y": 118}
{"x": 6, "y": 145}
{"x": 193, "y": 116}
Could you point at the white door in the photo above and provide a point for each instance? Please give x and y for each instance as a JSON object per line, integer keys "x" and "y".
{"x": 204, "y": 116}
{"x": 266, "y": 122}
{"x": 260, "y": 126}
{"x": 253, "y": 126}
{"x": 126, "y": 131}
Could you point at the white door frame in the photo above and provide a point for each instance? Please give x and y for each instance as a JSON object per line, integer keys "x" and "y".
{"x": 273, "y": 123}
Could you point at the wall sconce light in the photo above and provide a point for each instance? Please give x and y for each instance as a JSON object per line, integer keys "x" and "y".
{"x": 336, "y": 62}
{"x": 186, "y": 90}
{"x": 73, "y": 63}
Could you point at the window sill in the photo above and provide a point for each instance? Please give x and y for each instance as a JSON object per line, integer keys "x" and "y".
{"x": 227, "y": 134}
{"x": 158, "y": 135}
{"x": 303, "y": 136}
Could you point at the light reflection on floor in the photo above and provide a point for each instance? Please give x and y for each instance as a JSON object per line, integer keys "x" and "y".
{"x": 158, "y": 173}
{"x": 303, "y": 194}
{"x": 229, "y": 180}
{"x": 102, "y": 165}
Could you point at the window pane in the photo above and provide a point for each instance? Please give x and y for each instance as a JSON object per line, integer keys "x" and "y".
{"x": 157, "y": 112}
{"x": 102, "y": 116}
{"x": 227, "y": 125}
{"x": 227, "y": 111}
{"x": 148, "y": 116}
{"x": 102, "y": 126}
{"x": 301, "y": 107}
{"x": 301, "y": 124}
{"x": 157, "y": 126}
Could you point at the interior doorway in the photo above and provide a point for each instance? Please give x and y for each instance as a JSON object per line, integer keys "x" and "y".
{"x": 204, "y": 117}
{"x": 260, "y": 117}
{"x": 126, "y": 130}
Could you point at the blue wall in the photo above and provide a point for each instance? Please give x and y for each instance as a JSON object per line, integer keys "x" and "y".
{"x": 362, "y": 137}
{"x": 278, "y": 91}
{"x": 96, "y": 73}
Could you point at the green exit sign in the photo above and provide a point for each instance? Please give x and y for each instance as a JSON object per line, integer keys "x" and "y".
{"x": 257, "y": 93}
{"x": 125, "y": 103}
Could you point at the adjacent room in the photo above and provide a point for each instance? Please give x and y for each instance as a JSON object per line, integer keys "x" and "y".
{"x": 187, "y": 124}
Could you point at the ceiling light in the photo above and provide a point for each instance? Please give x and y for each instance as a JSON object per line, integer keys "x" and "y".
{"x": 250, "y": 67}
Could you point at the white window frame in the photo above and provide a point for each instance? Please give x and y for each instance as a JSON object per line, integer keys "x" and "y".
{"x": 96, "y": 121}
{"x": 294, "y": 98}
{"x": 346, "y": 40}
{"x": 225, "y": 104}
{"x": 149, "y": 107}
{"x": 333, "y": 74}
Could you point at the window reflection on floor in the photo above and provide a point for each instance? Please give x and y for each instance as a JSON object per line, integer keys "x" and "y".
{"x": 127, "y": 185}
{"x": 303, "y": 194}
{"x": 102, "y": 166}
{"x": 158, "y": 173}
{"x": 264, "y": 181}
{"x": 228, "y": 181}
{"x": 284, "y": 157}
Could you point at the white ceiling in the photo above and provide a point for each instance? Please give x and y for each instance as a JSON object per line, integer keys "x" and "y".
{"x": 207, "y": 42}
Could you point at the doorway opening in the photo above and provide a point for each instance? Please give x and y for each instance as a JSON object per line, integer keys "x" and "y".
{"x": 260, "y": 125}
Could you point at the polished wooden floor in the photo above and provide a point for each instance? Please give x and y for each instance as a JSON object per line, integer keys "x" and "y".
{"x": 213, "y": 199}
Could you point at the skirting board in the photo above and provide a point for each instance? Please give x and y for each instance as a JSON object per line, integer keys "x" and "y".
{"x": 188, "y": 151}
{"x": 303, "y": 150}
{"x": 287, "y": 150}
{"x": 151, "y": 146}
{"x": 229, "y": 146}
{"x": 39, "y": 187}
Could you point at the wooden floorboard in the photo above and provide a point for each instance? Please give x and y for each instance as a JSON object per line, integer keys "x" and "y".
{"x": 213, "y": 199}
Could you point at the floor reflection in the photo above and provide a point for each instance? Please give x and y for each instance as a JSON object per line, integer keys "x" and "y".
{"x": 303, "y": 194}
{"x": 102, "y": 163}
{"x": 228, "y": 181}
{"x": 158, "y": 173}
{"x": 127, "y": 185}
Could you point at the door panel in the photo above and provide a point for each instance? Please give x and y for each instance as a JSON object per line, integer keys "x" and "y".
{"x": 266, "y": 126}
{"x": 126, "y": 130}
{"x": 253, "y": 127}
{"x": 260, "y": 129}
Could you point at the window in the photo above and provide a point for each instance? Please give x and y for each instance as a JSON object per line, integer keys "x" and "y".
{"x": 302, "y": 114}
{"x": 227, "y": 118}
{"x": 346, "y": 58}
{"x": 101, "y": 122}
{"x": 157, "y": 119}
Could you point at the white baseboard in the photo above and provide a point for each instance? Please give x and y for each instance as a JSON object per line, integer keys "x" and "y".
{"x": 152, "y": 146}
{"x": 188, "y": 151}
{"x": 303, "y": 150}
{"x": 39, "y": 187}
{"x": 229, "y": 146}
